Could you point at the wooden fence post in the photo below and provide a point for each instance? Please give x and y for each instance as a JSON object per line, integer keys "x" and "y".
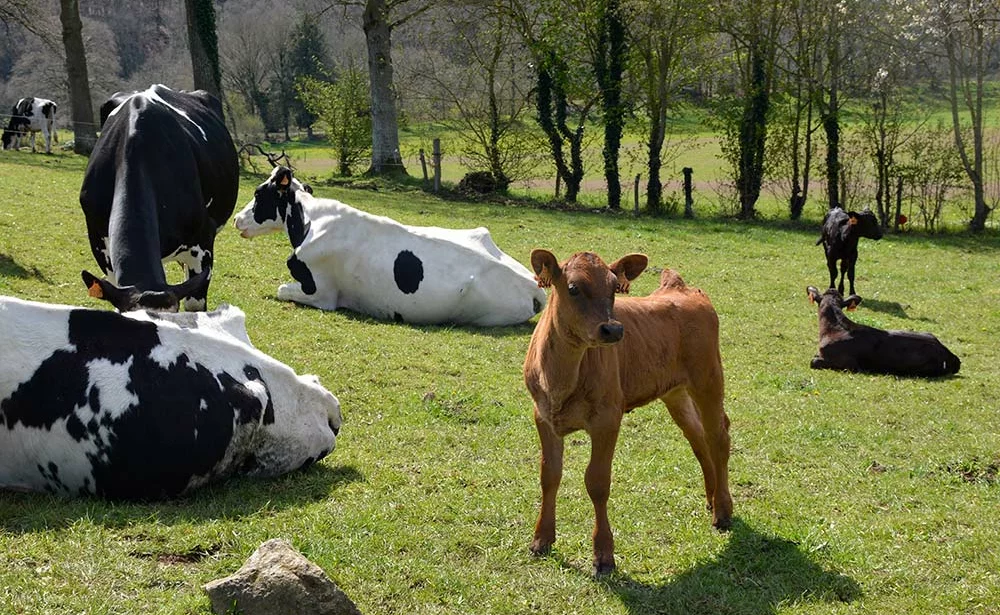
{"x": 688, "y": 199}
{"x": 423, "y": 164}
{"x": 437, "y": 165}
{"x": 637, "y": 176}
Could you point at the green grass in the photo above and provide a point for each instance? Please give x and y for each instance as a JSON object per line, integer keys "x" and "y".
{"x": 853, "y": 493}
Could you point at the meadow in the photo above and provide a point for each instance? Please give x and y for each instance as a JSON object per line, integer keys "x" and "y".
{"x": 853, "y": 493}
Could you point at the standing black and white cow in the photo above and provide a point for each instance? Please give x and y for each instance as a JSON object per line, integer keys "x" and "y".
{"x": 161, "y": 182}
{"x": 344, "y": 257}
{"x": 147, "y": 405}
{"x": 31, "y": 116}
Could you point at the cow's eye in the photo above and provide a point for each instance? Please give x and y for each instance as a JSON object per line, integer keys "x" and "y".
{"x": 573, "y": 290}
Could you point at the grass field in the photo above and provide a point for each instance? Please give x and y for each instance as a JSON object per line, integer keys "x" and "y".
{"x": 853, "y": 493}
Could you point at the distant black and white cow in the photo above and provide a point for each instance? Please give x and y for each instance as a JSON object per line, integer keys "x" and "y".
{"x": 847, "y": 345}
{"x": 839, "y": 236}
{"x": 31, "y": 116}
{"x": 343, "y": 257}
{"x": 162, "y": 180}
{"x": 147, "y": 405}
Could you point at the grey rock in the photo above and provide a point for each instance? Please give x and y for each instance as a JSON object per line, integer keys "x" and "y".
{"x": 277, "y": 580}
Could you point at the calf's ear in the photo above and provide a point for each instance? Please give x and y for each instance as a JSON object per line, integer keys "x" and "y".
{"x": 628, "y": 268}
{"x": 813, "y": 293}
{"x": 546, "y": 267}
{"x": 852, "y": 302}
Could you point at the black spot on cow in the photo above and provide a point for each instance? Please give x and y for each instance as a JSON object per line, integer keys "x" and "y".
{"x": 536, "y": 305}
{"x": 297, "y": 225}
{"x": 300, "y": 271}
{"x": 396, "y": 316}
{"x": 408, "y": 271}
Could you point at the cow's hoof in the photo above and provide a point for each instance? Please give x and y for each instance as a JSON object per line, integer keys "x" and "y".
{"x": 539, "y": 548}
{"x": 603, "y": 569}
{"x": 723, "y": 523}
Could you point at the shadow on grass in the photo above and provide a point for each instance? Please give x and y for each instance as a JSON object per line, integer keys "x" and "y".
{"x": 230, "y": 499}
{"x": 524, "y": 328}
{"x": 755, "y": 575}
{"x": 10, "y": 268}
{"x": 886, "y": 307}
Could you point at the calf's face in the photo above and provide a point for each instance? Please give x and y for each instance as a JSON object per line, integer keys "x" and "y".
{"x": 583, "y": 293}
{"x": 266, "y": 212}
{"x": 831, "y": 298}
{"x": 866, "y": 224}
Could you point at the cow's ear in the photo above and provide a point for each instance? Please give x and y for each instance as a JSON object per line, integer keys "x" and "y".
{"x": 124, "y": 299}
{"x": 628, "y": 268}
{"x": 852, "y": 303}
{"x": 307, "y": 188}
{"x": 813, "y": 293}
{"x": 282, "y": 178}
{"x": 546, "y": 267}
{"x": 853, "y": 218}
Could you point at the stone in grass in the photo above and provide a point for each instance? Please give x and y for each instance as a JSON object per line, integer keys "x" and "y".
{"x": 278, "y": 579}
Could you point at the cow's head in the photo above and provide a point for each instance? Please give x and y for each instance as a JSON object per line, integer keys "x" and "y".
{"x": 128, "y": 298}
{"x": 272, "y": 201}
{"x": 865, "y": 224}
{"x": 304, "y": 430}
{"x": 583, "y": 292}
{"x": 832, "y": 298}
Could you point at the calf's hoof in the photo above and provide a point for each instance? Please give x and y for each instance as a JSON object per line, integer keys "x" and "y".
{"x": 723, "y": 523}
{"x": 539, "y": 547}
{"x": 603, "y": 568}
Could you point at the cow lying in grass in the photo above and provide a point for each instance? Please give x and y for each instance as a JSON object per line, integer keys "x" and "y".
{"x": 847, "y": 345}
{"x": 139, "y": 407}
{"x": 591, "y": 359}
{"x": 343, "y": 257}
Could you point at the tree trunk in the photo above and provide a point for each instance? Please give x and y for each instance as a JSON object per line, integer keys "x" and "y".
{"x": 203, "y": 43}
{"x": 84, "y": 135}
{"x": 386, "y": 158}
{"x": 753, "y": 134}
{"x": 609, "y": 66}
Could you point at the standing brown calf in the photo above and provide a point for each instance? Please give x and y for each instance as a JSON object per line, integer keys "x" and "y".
{"x": 590, "y": 360}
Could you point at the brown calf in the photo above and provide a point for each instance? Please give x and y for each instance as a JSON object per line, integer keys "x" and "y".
{"x": 590, "y": 360}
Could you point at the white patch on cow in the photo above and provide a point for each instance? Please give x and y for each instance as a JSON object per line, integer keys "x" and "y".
{"x": 226, "y": 320}
{"x": 152, "y": 95}
{"x": 112, "y": 380}
{"x": 351, "y": 255}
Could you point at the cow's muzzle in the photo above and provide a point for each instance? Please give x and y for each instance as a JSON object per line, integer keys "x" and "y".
{"x": 611, "y": 332}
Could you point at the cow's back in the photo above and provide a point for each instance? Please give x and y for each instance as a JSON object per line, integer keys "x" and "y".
{"x": 671, "y": 338}
{"x": 417, "y": 274}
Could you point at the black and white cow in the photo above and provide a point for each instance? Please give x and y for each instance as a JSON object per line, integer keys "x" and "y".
{"x": 162, "y": 180}
{"x": 148, "y": 405}
{"x": 343, "y": 257}
{"x": 31, "y": 116}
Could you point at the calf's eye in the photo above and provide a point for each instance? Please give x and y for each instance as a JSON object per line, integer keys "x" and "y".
{"x": 573, "y": 290}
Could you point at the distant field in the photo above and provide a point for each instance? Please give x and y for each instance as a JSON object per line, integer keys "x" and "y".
{"x": 853, "y": 493}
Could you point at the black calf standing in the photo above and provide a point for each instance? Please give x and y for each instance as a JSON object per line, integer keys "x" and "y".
{"x": 847, "y": 345}
{"x": 841, "y": 231}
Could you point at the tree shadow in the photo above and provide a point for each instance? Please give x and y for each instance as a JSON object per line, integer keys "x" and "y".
{"x": 10, "y": 268}
{"x": 755, "y": 575}
{"x": 230, "y": 499}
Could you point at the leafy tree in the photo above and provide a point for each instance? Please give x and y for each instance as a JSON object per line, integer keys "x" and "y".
{"x": 609, "y": 67}
{"x": 343, "y": 107}
{"x": 309, "y": 59}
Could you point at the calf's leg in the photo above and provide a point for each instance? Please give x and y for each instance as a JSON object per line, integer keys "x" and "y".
{"x": 603, "y": 437}
{"x": 551, "y": 467}
{"x": 684, "y": 413}
{"x": 716, "y": 425}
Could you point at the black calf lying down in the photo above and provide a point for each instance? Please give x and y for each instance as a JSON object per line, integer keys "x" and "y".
{"x": 847, "y": 345}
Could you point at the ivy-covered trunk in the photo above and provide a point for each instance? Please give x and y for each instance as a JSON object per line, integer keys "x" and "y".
{"x": 84, "y": 135}
{"x": 753, "y": 134}
{"x": 609, "y": 67}
{"x": 203, "y": 42}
